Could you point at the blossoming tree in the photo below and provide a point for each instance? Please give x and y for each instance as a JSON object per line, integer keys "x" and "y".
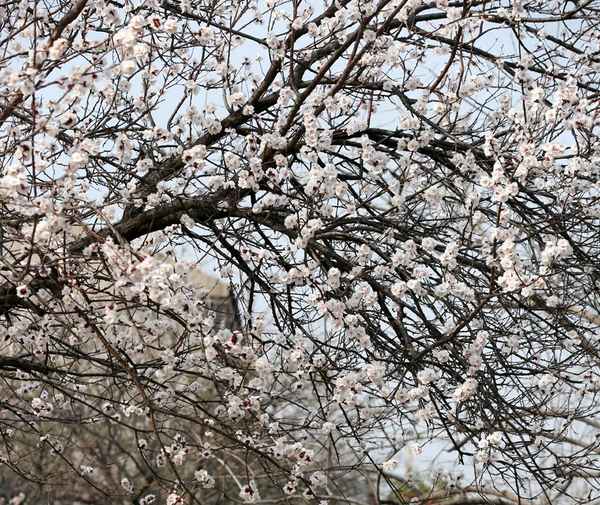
{"x": 269, "y": 251}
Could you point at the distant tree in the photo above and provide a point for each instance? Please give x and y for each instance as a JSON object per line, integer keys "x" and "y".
{"x": 272, "y": 251}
